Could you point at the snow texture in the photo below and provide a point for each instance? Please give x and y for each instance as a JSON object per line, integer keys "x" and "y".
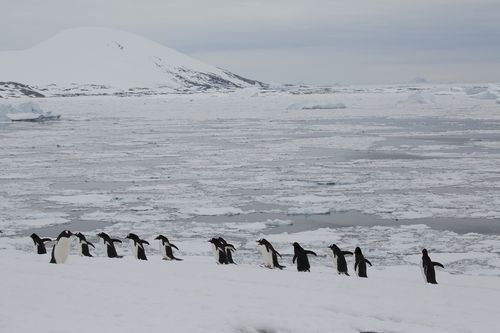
{"x": 102, "y": 61}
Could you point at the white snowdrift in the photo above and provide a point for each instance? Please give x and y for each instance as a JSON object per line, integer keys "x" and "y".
{"x": 487, "y": 94}
{"x": 196, "y": 295}
{"x": 419, "y": 97}
{"x": 317, "y": 106}
{"x": 28, "y": 111}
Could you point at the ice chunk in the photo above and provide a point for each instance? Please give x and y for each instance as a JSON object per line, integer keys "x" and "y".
{"x": 419, "y": 97}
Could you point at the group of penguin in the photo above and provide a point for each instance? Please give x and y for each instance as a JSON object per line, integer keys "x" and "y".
{"x": 223, "y": 252}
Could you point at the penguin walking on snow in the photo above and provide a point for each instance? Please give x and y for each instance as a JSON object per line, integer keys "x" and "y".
{"x": 219, "y": 251}
{"x": 339, "y": 261}
{"x": 166, "y": 248}
{"x": 109, "y": 244}
{"x": 60, "y": 251}
{"x": 428, "y": 267}
{"x": 137, "y": 246}
{"x": 83, "y": 243}
{"x": 228, "y": 248}
{"x": 360, "y": 264}
{"x": 39, "y": 243}
{"x": 300, "y": 255}
{"x": 269, "y": 254}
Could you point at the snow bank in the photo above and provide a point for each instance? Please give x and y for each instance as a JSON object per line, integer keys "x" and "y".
{"x": 196, "y": 295}
{"x": 313, "y": 210}
{"x": 487, "y": 94}
{"x": 28, "y": 111}
{"x": 213, "y": 211}
{"x": 317, "y": 106}
{"x": 419, "y": 97}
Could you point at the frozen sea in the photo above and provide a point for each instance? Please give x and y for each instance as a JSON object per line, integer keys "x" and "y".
{"x": 384, "y": 168}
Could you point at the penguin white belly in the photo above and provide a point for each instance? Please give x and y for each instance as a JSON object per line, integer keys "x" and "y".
{"x": 423, "y": 271}
{"x": 134, "y": 248}
{"x": 61, "y": 250}
{"x": 163, "y": 251}
{"x": 357, "y": 270}
{"x": 216, "y": 253}
{"x": 267, "y": 257}
{"x": 335, "y": 263}
{"x": 80, "y": 247}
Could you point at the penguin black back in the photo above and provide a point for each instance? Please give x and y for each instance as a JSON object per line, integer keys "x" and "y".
{"x": 428, "y": 267}
{"x": 166, "y": 248}
{"x": 228, "y": 248}
{"x": 84, "y": 245}
{"x": 39, "y": 243}
{"x": 138, "y": 246}
{"x": 270, "y": 254}
{"x": 360, "y": 263}
{"x": 110, "y": 246}
{"x": 60, "y": 251}
{"x": 219, "y": 251}
{"x": 339, "y": 259}
{"x": 300, "y": 255}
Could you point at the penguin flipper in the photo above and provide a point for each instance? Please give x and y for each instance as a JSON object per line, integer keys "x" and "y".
{"x": 368, "y": 262}
{"x": 175, "y": 247}
{"x": 52, "y": 258}
{"x": 89, "y": 243}
{"x": 294, "y": 258}
{"x": 45, "y": 240}
{"x": 347, "y": 253}
{"x": 311, "y": 252}
{"x": 114, "y": 240}
{"x": 437, "y": 264}
{"x": 144, "y": 242}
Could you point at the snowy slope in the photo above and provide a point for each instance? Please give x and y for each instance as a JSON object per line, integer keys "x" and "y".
{"x": 196, "y": 295}
{"x": 85, "y": 60}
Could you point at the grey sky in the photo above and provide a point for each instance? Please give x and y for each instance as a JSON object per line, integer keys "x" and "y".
{"x": 322, "y": 41}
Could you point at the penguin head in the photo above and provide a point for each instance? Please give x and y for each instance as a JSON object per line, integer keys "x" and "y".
{"x": 103, "y": 235}
{"x": 424, "y": 252}
{"x": 80, "y": 236}
{"x": 357, "y": 251}
{"x": 132, "y": 236}
{"x": 262, "y": 241}
{"x": 213, "y": 241}
{"x": 222, "y": 240}
{"x": 334, "y": 248}
{"x": 65, "y": 234}
{"x": 162, "y": 238}
{"x": 34, "y": 237}
{"x": 296, "y": 246}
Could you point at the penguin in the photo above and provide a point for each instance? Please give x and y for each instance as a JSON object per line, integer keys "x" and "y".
{"x": 428, "y": 267}
{"x": 228, "y": 248}
{"x": 110, "y": 246}
{"x": 269, "y": 254}
{"x": 300, "y": 255}
{"x": 137, "y": 246}
{"x": 360, "y": 264}
{"x": 39, "y": 243}
{"x": 339, "y": 259}
{"x": 219, "y": 251}
{"x": 166, "y": 248}
{"x": 60, "y": 251}
{"x": 84, "y": 245}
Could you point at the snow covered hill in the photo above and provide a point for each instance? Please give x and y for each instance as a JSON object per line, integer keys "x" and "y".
{"x": 101, "y": 61}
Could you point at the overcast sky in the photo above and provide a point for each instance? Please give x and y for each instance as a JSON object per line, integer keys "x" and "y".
{"x": 310, "y": 41}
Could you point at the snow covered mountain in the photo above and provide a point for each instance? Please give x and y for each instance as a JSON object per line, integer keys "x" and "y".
{"x": 95, "y": 61}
